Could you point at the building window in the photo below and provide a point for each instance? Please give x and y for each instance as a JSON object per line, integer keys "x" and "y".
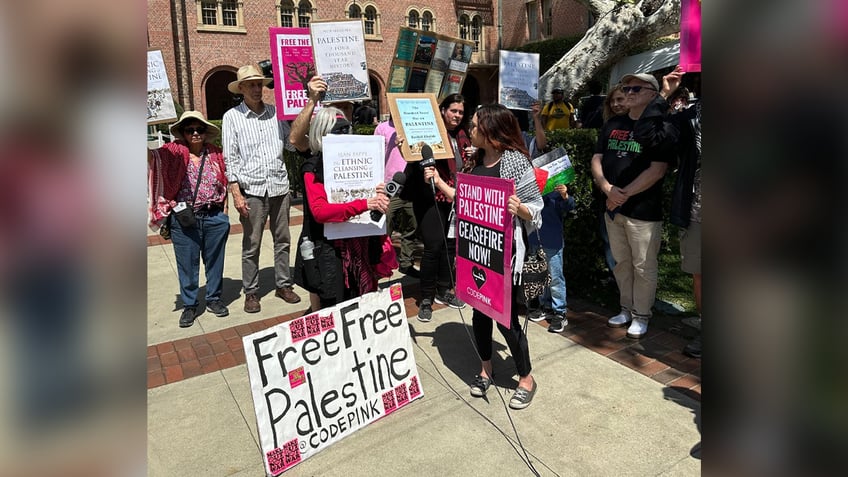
{"x": 304, "y": 14}
{"x": 463, "y": 27}
{"x": 210, "y": 13}
{"x": 286, "y": 13}
{"x": 354, "y": 12}
{"x": 370, "y": 21}
{"x": 532, "y": 21}
{"x": 426, "y": 21}
{"x": 476, "y": 31}
{"x": 230, "y": 11}
{"x": 220, "y": 15}
{"x": 548, "y": 17}
{"x": 412, "y": 19}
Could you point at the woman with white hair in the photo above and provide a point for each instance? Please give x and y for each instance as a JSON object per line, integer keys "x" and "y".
{"x": 337, "y": 270}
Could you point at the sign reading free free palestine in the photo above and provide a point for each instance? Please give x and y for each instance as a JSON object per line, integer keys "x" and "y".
{"x": 317, "y": 379}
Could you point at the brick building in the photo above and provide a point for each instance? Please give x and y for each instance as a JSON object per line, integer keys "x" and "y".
{"x": 203, "y": 43}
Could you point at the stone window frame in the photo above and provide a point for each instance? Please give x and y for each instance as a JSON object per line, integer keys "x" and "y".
{"x": 420, "y": 14}
{"x": 362, "y": 8}
{"x": 297, "y": 12}
{"x": 219, "y": 26}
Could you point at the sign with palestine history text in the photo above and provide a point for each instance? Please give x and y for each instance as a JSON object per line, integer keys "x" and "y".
{"x": 338, "y": 47}
{"x": 319, "y": 378}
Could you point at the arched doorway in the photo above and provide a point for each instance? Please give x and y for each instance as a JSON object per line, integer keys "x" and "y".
{"x": 218, "y": 98}
{"x": 471, "y": 93}
{"x": 376, "y": 93}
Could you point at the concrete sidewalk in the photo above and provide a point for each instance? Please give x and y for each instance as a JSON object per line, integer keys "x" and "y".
{"x": 591, "y": 414}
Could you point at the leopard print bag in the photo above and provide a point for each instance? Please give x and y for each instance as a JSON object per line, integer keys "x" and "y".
{"x": 535, "y": 275}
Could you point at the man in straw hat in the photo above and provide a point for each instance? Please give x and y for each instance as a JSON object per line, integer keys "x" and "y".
{"x": 254, "y": 140}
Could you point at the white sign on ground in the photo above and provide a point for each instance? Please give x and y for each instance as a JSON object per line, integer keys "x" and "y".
{"x": 317, "y": 379}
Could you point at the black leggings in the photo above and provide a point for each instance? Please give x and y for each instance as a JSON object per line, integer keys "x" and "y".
{"x": 437, "y": 264}
{"x": 515, "y": 338}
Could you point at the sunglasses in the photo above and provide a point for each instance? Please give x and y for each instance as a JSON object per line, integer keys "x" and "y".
{"x": 341, "y": 130}
{"x": 191, "y": 131}
{"x": 635, "y": 89}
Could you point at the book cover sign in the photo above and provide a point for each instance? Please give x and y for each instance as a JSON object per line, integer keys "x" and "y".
{"x": 160, "y": 103}
{"x": 518, "y": 85}
{"x": 558, "y": 167}
{"x": 339, "y": 51}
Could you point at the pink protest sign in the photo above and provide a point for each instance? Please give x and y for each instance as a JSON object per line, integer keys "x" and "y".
{"x": 484, "y": 245}
{"x": 690, "y": 35}
{"x": 291, "y": 58}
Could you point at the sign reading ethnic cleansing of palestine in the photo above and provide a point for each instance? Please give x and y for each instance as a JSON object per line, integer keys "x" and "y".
{"x": 160, "y": 103}
{"x": 291, "y": 58}
{"x": 484, "y": 245}
{"x": 339, "y": 50}
{"x": 318, "y": 379}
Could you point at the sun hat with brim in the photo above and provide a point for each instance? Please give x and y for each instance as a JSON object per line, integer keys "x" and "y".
{"x": 641, "y": 77}
{"x": 212, "y": 131}
{"x": 247, "y": 73}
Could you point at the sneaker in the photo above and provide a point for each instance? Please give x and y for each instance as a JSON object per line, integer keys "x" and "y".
{"x": 558, "y": 323}
{"x": 638, "y": 328}
{"x": 480, "y": 385}
{"x": 536, "y": 315}
{"x": 449, "y": 299}
{"x": 217, "y": 308}
{"x": 251, "y": 303}
{"x": 620, "y": 320}
{"x": 522, "y": 397}
{"x": 188, "y": 316}
{"x": 693, "y": 349}
{"x": 425, "y": 311}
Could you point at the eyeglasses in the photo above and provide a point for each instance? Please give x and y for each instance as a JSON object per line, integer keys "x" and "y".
{"x": 191, "y": 131}
{"x": 341, "y": 130}
{"x": 635, "y": 89}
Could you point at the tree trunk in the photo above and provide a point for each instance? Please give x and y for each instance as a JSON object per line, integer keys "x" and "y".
{"x": 621, "y": 25}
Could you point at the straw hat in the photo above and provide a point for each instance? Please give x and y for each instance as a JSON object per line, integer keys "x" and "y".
{"x": 247, "y": 73}
{"x": 212, "y": 131}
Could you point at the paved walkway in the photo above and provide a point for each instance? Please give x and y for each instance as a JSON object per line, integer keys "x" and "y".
{"x": 606, "y": 405}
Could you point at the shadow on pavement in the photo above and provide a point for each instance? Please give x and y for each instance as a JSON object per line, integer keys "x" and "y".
{"x": 678, "y": 395}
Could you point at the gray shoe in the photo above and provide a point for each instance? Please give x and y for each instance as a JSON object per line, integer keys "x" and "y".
{"x": 480, "y": 385}
{"x": 523, "y": 397}
{"x": 425, "y": 311}
{"x": 558, "y": 323}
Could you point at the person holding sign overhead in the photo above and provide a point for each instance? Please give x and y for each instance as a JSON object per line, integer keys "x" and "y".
{"x": 501, "y": 153}
{"x": 432, "y": 212}
{"x": 337, "y": 270}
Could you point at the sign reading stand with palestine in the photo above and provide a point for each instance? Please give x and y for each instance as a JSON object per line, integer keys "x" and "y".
{"x": 291, "y": 60}
{"x": 427, "y": 62}
{"x": 484, "y": 245}
{"x": 160, "y": 103}
{"x": 338, "y": 47}
{"x": 319, "y": 378}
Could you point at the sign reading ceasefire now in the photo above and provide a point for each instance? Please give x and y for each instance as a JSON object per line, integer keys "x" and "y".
{"x": 321, "y": 377}
{"x": 484, "y": 245}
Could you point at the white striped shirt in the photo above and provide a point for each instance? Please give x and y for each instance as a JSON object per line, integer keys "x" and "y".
{"x": 253, "y": 150}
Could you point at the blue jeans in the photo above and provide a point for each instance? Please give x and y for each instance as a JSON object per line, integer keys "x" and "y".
{"x": 207, "y": 240}
{"x": 554, "y": 296}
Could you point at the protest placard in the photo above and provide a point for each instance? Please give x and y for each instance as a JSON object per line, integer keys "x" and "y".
{"x": 418, "y": 121}
{"x": 338, "y": 47}
{"x": 425, "y": 61}
{"x": 484, "y": 245}
{"x": 291, "y": 61}
{"x": 319, "y": 378}
{"x": 518, "y": 81}
{"x": 353, "y": 166}
{"x": 558, "y": 167}
{"x": 160, "y": 103}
